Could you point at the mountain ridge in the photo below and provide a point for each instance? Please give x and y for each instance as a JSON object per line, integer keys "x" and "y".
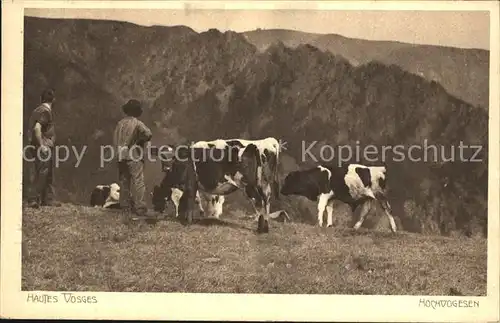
{"x": 271, "y": 30}
{"x": 360, "y": 51}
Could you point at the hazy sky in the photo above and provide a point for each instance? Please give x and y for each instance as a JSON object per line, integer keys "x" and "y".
{"x": 469, "y": 29}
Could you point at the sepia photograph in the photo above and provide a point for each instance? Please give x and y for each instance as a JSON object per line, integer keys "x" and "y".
{"x": 287, "y": 152}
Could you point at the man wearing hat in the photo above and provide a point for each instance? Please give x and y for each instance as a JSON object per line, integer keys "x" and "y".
{"x": 129, "y": 139}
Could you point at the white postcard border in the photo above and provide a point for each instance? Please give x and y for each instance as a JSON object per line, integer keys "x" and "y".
{"x": 174, "y": 306}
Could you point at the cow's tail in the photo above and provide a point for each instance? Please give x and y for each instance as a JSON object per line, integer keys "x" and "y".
{"x": 276, "y": 179}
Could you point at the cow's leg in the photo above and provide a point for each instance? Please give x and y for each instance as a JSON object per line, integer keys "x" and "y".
{"x": 329, "y": 212}
{"x": 219, "y": 202}
{"x": 388, "y": 212}
{"x": 365, "y": 208}
{"x": 249, "y": 191}
{"x": 199, "y": 201}
{"x": 210, "y": 204}
{"x": 261, "y": 202}
{"x": 265, "y": 195}
{"x": 187, "y": 204}
{"x": 268, "y": 192}
{"x": 176, "y": 196}
{"x": 254, "y": 201}
{"x": 323, "y": 201}
{"x": 210, "y": 200}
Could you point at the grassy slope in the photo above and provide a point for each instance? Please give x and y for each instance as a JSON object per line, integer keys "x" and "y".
{"x": 83, "y": 249}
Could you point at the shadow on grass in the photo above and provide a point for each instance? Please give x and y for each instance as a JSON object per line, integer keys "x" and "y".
{"x": 218, "y": 222}
{"x": 350, "y": 232}
{"x": 207, "y": 222}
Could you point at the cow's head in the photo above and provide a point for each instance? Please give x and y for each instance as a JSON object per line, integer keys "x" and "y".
{"x": 304, "y": 183}
{"x": 166, "y": 155}
{"x": 158, "y": 199}
{"x": 114, "y": 192}
{"x": 293, "y": 184}
{"x": 380, "y": 175}
{"x": 106, "y": 190}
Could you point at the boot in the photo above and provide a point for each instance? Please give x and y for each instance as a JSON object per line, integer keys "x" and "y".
{"x": 142, "y": 215}
{"x": 34, "y": 204}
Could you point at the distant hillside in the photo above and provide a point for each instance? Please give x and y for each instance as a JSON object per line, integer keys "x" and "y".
{"x": 218, "y": 85}
{"x": 463, "y": 72}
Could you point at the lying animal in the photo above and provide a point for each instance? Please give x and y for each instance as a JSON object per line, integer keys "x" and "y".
{"x": 106, "y": 196}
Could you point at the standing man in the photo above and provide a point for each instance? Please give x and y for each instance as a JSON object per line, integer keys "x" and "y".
{"x": 129, "y": 139}
{"x": 42, "y": 136}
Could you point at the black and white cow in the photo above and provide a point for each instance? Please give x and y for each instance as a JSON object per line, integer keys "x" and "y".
{"x": 106, "y": 196}
{"x": 352, "y": 184}
{"x": 269, "y": 150}
{"x": 220, "y": 168}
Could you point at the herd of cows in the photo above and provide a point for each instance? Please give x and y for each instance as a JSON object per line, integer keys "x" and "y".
{"x": 220, "y": 167}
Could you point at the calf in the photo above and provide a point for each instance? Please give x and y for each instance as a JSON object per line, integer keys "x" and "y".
{"x": 352, "y": 184}
{"x": 106, "y": 196}
{"x": 167, "y": 192}
{"x": 218, "y": 171}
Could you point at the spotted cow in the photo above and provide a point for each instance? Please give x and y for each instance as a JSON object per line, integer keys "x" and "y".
{"x": 269, "y": 150}
{"x": 219, "y": 168}
{"x": 352, "y": 184}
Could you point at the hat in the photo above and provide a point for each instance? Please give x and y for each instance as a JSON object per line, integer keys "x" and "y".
{"x": 132, "y": 108}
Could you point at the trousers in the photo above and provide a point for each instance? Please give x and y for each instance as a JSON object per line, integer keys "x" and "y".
{"x": 41, "y": 177}
{"x": 132, "y": 186}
